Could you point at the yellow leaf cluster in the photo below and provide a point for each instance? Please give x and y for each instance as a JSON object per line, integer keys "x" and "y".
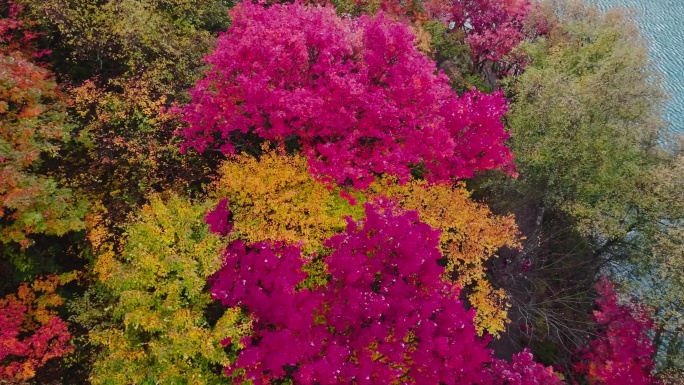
{"x": 423, "y": 39}
{"x": 119, "y": 350}
{"x": 275, "y": 198}
{"x": 101, "y": 241}
{"x": 490, "y": 306}
{"x": 471, "y": 235}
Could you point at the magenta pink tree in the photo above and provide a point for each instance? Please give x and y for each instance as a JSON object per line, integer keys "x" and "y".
{"x": 493, "y": 27}
{"x": 356, "y": 94}
{"x": 385, "y": 316}
{"x": 622, "y": 352}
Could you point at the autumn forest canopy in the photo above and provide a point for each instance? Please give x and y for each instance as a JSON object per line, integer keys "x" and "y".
{"x": 346, "y": 192}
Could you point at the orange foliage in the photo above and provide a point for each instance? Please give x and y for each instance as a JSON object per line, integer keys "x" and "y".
{"x": 31, "y": 333}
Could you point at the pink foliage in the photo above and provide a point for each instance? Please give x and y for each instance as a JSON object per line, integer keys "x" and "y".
{"x": 522, "y": 370}
{"x": 356, "y": 93}
{"x": 385, "y": 316}
{"x": 219, "y": 219}
{"x": 621, "y": 355}
{"x": 493, "y": 27}
{"x": 16, "y": 34}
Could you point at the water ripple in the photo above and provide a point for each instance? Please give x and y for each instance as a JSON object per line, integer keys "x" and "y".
{"x": 661, "y": 23}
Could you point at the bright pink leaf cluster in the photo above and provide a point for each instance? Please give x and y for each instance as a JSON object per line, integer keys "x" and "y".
{"x": 622, "y": 352}
{"x": 219, "y": 219}
{"x": 356, "y": 93}
{"x": 493, "y": 27}
{"x": 522, "y": 370}
{"x": 385, "y": 316}
{"x": 21, "y": 353}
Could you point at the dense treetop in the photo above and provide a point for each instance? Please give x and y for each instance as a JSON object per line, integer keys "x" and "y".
{"x": 356, "y": 95}
{"x": 345, "y": 192}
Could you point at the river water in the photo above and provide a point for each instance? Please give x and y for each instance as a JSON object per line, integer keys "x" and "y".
{"x": 662, "y": 23}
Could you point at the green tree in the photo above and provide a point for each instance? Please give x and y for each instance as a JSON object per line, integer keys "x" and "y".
{"x": 658, "y": 278}
{"x": 585, "y": 120}
{"x": 586, "y": 128}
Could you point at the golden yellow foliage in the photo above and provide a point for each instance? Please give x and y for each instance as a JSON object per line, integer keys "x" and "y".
{"x": 101, "y": 242}
{"x": 491, "y": 308}
{"x": 275, "y": 198}
{"x": 423, "y": 39}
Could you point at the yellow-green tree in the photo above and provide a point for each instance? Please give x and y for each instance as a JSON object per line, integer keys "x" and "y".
{"x": 162, "y": 334}
{"x": 585, "y": 119}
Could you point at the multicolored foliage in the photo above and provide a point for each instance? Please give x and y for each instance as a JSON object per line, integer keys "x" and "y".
{"x": 470, "y": 236}
{"x": 492, "y": 28}
{"x": 398, "y": 292}
{"x": 123, "y": 136}
{"x": 32, "y": 128}
{"x": 125, "y": 61}
{"x": 385, "y": 316}
{"x": 16, "y": 33}
{"x": 31, "y": 333}
{"x": 274, "y": 198}
{"x": 357, "y": 96}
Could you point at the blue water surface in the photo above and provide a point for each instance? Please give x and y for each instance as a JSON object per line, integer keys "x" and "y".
{"x": 662, "y": 23}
